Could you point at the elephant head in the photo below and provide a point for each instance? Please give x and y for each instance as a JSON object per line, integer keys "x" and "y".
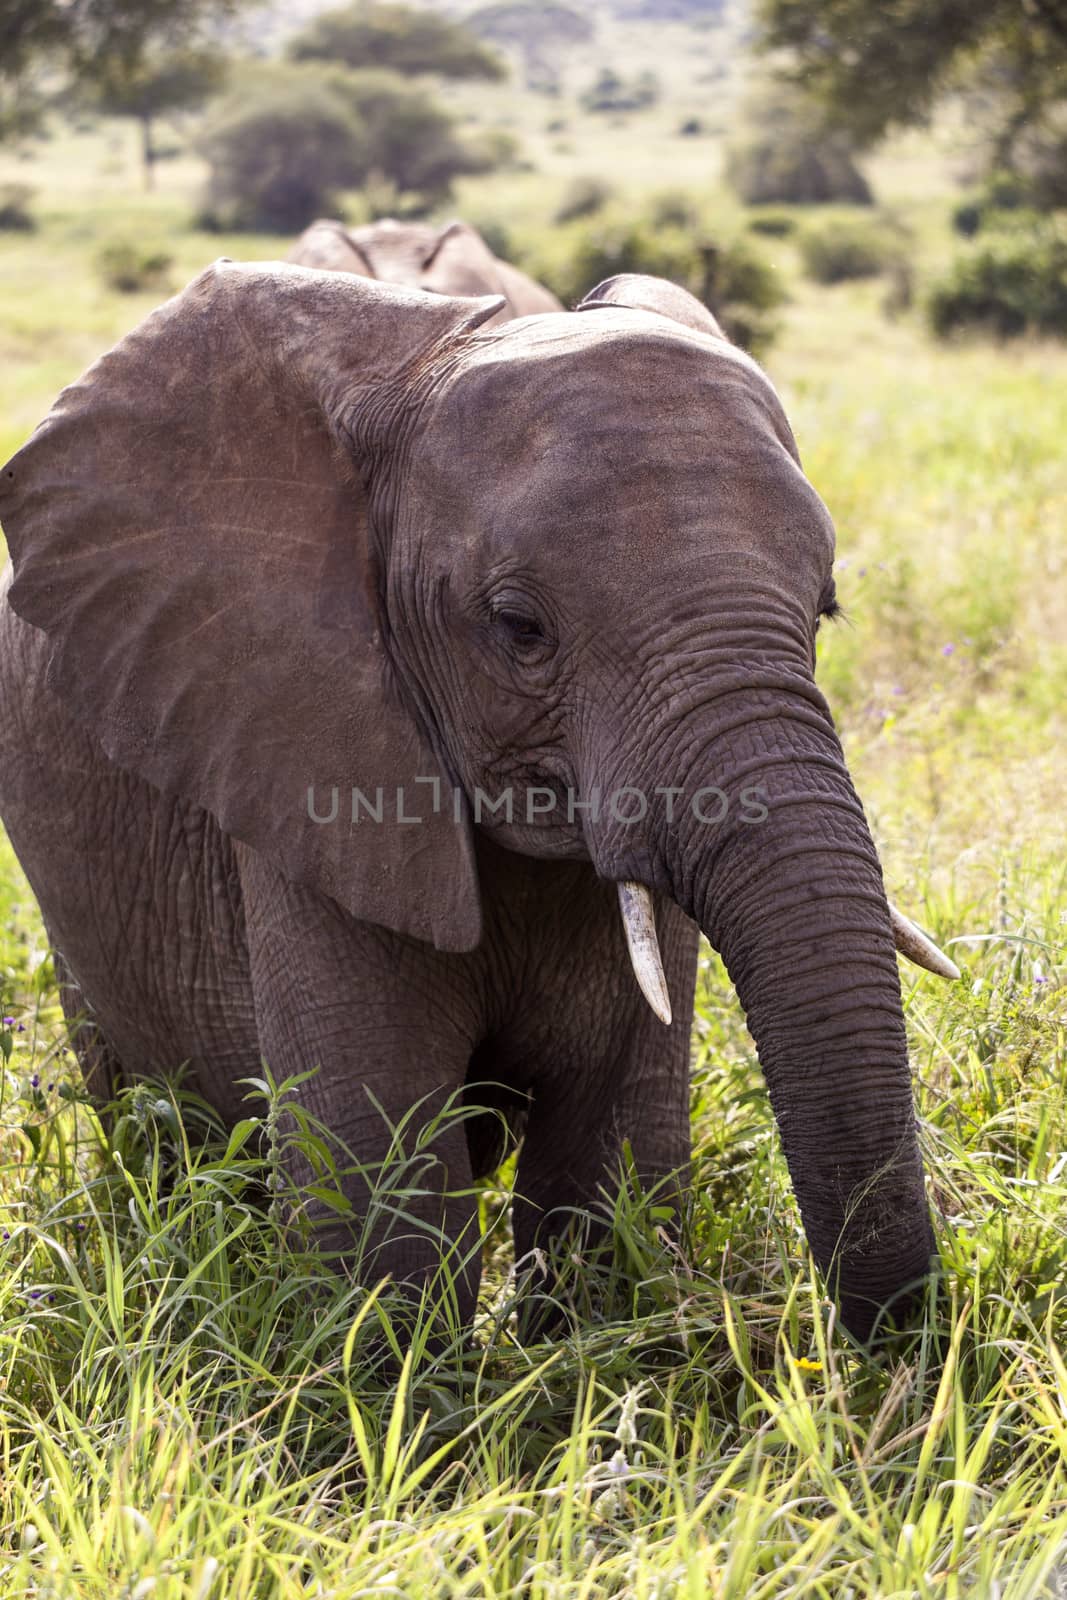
{"x": 453, "y": 260}
{"x": 303, "y": 531}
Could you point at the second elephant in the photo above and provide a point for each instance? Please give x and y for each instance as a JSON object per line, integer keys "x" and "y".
{"x": 452, "y": 260}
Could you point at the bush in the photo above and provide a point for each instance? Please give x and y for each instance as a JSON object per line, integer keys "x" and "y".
{"x": 731, "y": 276}
{"x": 611, "y": 93}
{"x": 1014, "y": 282}
{"x": 583, "y": 197}
{"x": 292, "y": 138}
{"x": 786, "y": 156}
{"x": 772, "y": 224}
{"x": 844, "y": 248}
{"x": 690, "y": 128}
{"x": 1002, "y": 195}
{"x": 130, "y": 268}
{"x": 281, "y": 150}
{"x": 673, "y": 208}
{"x": 15, "y": 208}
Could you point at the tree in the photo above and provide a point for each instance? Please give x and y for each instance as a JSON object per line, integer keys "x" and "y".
{"x": 783, "y": 152}
{"x": 540, "y": 34}
{"x": 91, "y": 42}
{"x": 398, "y": 38}
{"x": 875, "y": 67}
{"x": 280, "y": 149}
{"x": 411, "y": 140}
{"x": 154, "y": 86}
{"x": 290, "y": 138}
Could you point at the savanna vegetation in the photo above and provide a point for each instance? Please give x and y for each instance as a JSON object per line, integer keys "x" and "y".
{"x": 192, "y": 1406}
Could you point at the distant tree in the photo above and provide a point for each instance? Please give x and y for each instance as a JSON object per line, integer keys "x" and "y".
{"x": 411, "y": 139}
{"x": 609, "y": 92}
{"x": 155, "y": 86}
{"x": 281, "y": 148}
{"x": 399, "y": 38}
{"x": 93, "y": 41}
{"x": 539, "y": 34}
{"x": 289, "y": 139}
{"x": 876, "y": 67}
{"x": 783, "y": 152}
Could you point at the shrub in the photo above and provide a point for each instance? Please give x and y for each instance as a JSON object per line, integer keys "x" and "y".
{"x": 844, "y": 248}
{"x": 611, "y": 93}
{"x": 1003, "y": 194}
{"x": 15, "y": 214}
{"x": 785, "y": 155}
{"x": 772, "y": 224}
{"x": 280, "y": 150}
{"x": 130, "y": 268}
{"x": 673, "y": 208}
{"x": 730, "y": 276}
{"x": 744, "y": 290}
{"x": 690, "y": 128}
{"x": 583, "y": 197}
{"x": 1014, "y": 281}
{"x": 291, "y": 138}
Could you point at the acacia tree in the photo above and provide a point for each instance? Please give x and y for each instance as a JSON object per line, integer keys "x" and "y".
{"x": 875, "y": 67}
{"x": 397, "y": 38}
{"x": 118, "y": 47}
{"x": 153, "y": 87}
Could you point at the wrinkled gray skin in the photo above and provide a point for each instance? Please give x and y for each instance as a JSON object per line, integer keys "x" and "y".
{"x": 351, "y": 538}
{"x": 453, "y": 260}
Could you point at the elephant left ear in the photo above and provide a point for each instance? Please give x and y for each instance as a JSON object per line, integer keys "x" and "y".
{"x": 638, "y": 292}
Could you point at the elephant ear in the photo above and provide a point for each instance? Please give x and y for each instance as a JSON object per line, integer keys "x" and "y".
{"x": 189, "y": 529}
{"x": 329, "y": 246}
{"x": 461, "y": 262}
{"x": 638, "y": 292}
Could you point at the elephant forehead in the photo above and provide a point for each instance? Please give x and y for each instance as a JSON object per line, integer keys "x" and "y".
{"x": 611, "y": 426}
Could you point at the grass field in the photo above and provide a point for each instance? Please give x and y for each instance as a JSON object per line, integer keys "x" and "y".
{"x": 191, "y": 1407}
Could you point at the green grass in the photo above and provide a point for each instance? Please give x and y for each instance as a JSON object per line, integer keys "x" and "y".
{"x": 192, "y": 1405}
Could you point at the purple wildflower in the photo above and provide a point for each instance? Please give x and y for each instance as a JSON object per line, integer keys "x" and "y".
{"x": 35, "y": 1081}
{"x": 9, "y": 1022}
{"x": 35, "y": 1294}
{"x": 50, "y": 1085}
{"x": 947, "y": 649}
{"x": 21, "y": 1028}
{"x": 898, "y": 689}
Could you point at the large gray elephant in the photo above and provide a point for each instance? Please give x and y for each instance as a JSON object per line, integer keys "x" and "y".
{"x": 453, "y": 259}
{"x": 362, "y": 660}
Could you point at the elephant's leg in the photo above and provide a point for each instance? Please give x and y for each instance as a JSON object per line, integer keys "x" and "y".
{"x": 615, "y": 1090}
{"x": 389, "y": 1025}
{"x": 100, "y": 1066}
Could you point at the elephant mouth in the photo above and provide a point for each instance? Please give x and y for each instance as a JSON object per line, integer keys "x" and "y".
{"x": 642, "y": 942}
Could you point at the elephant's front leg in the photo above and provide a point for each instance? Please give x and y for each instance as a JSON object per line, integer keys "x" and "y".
{"x": 613, "y": 1087}
{"x": 389, "y": 1025}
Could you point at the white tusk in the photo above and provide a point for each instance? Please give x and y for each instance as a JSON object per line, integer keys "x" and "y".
{"x": 638, "y": 918}
{"x": 918, "y": 948}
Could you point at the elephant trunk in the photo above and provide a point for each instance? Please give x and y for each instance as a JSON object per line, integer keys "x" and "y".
{"x": 787, "y": 887}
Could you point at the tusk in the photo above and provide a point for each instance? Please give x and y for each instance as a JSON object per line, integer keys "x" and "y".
{"x": 918, "y": 948}
{"x": 638, "y": 918}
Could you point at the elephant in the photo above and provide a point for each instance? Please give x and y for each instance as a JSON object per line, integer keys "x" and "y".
{"x": 451, "y": 260}
{"x": 363, "y": 658}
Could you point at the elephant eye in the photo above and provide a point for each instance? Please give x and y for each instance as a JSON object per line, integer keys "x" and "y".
{"x": 521, "y": 631}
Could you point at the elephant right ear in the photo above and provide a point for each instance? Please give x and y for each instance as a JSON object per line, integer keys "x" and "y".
{"x": 638, "y": 292}
{"x": 190, "y": 530}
